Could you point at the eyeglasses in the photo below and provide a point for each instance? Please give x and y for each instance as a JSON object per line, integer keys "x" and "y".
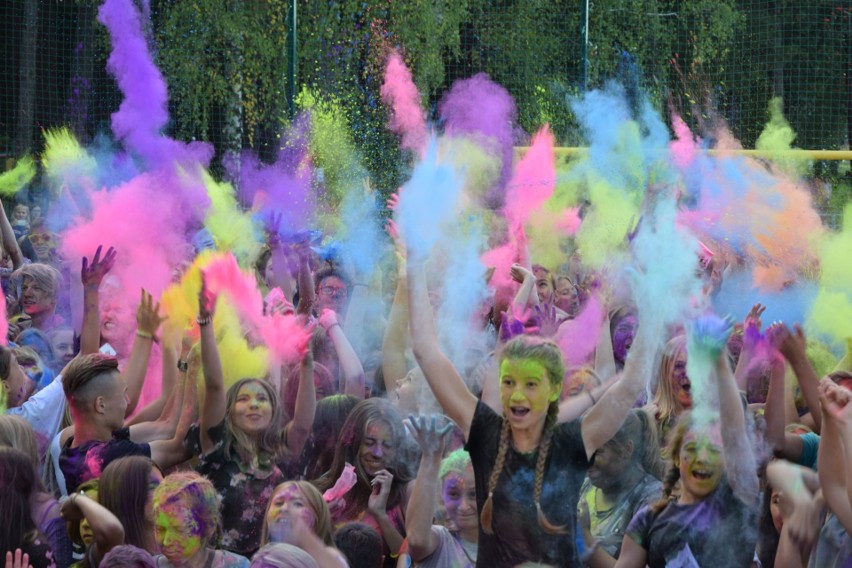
{"x": 333, "y": 291}
{"x": 38, "y": 238}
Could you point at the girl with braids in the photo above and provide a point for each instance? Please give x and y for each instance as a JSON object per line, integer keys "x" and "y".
{"x": 624, "y": 477}
{"x": 713, "y": 520}
{"x": 528, "y": 469}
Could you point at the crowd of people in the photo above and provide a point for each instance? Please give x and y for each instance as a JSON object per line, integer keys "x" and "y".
{"x": 337, "y": 459}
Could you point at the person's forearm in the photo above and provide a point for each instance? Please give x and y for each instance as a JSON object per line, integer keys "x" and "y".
{"x": 739, "y": 457}
{"x": 10, "y": 243}
{"x": 604, "y": 354}
{"x": 390, "y": 535}
{"x": 421, "y": 508}
{"x": 306, "y": 404}
{"x": 741, "y": 372}
{"x": 281, "y": 272}
{"x": 833, "y": 477}
{"x": 107, "y": 529}
{"x": 809, "y": 385}
{"x": 90, "y": 336}
{"x": 396, "y": 336}
{"x": 526, "y": 298}
{"x": 846, "y": 441}
{"x": 307, "y": 294}
{"x": 350, "y": 364}
{"x": 573, "y": 407}
{"x": 214, "y": 407}
{"x": 137, "y": 367}
{"x": 774, "y": 410}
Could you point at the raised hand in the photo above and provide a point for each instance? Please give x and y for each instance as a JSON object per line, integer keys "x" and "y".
{"x": 709, "y": 334}
{"x": 431, "y": 439}
{"x": 206, "y": 301}
{"x": 378, "y": 501}
{"x": 19, "y": 559}
{"x": 273, "y": 230}
{"x": 93, "y": 274}
{"x": 148, "y": 317}
{"x": 752, "y": 327}
{"x": 519, "y": 273}
{"x": 328, "y": 319}
{"x": 792, "y": 344}
{"x": 548, "y": 321}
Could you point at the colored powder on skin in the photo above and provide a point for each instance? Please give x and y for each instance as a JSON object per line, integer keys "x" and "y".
{"x": 12, "y": 181}
{"x": 400, "y": 94}
{"x": 831, "y": 314}
{"x": 144, "y": 111}
{"x": 578, "y": 337}
{"x": 428, "y": 202}
{"x": 484, "y": 111}
{"x": 332, "y": 149}
{"x": 703, "y": 345}
{"x": 284, "y": 337}
{"x": 778, "y": 136}
{"x": 232, "y": 229}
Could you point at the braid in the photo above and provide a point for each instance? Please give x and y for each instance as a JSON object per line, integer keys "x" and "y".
{"x": 541, "y": 459}
{"x": 671, "y": 479}
{"x": 502, "y": 448}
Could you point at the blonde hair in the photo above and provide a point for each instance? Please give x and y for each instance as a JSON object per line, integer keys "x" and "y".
{"x": 546, "y": 353}
{"x": 322, "y": 516}
{"x": 665, "y": 400}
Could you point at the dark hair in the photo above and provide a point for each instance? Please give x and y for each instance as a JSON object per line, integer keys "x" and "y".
{"x": 331, "y": 414}
{"x": 17, "y": 483}
{"x": 640, "y": 429}
{"x": 360, "y": 544}
{"x": 322, "y": 376}
{"x": 329, "y": 271}
{"x": 348, "y": 449}
{"x": 127, "y": 556}
{"x": 79, "y": 380}
{"x": 124, "y": 491}
{"x": 767, "y": 534}
{"x": 5, "y": 362}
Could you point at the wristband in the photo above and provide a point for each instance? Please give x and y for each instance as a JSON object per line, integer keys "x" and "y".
{"x": 146, "y": 335}
{"x": 204, "y": 321}
{"x": 182, "y": 365}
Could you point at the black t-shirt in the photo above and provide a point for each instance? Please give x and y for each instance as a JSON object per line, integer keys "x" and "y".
{"x": 720, "y": 530}
{"x": 517, "y": 537}
{"x": 88, "y": 460}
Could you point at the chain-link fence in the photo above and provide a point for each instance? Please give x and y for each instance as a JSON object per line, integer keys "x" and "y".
{"x": 227, "y": 64}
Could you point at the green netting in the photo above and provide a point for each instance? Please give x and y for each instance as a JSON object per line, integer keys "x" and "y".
{"x": 226, "y": 63}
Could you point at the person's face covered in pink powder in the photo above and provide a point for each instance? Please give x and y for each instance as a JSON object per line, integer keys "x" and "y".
{"x": 35, "y": 299}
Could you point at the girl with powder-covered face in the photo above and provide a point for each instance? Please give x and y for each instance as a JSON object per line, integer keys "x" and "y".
{"x": 243, "y": 433}
{"x": 298, "y": 515}
{"x": 186, "y": 519}
{"x": 674, "y": 389}
{"x": 713, "y": 520}
{"x": 527, "y": 469}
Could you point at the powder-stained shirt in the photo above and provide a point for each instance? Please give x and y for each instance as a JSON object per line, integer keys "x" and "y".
{"x": 517, "y": 537}
{"x": 608, "y": 526}
{"x": 719, "y": 530}
{"x": 88, "y": 460}
{"x": 245, "y": 491}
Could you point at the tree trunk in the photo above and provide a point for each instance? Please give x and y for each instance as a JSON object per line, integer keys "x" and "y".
{"x": 26, "y": 93}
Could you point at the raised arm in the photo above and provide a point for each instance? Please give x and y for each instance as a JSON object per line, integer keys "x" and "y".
{"x": 299, "y": 429}
{"x": 307, "y": 293}
{"x": 608, "y": 414}
{"x": 350, "y": 364}
{"x": 740, "y": 463}
{"x": 787, "y": 446}
{"x": 527, "y": 295}
{"x": 159, "y": 420}
{"x": 169, "y": 453}
{"x": 10, "y": 243}
{"x": 573, "y": 407}
{"x": 793, "y": 346}
{"x": 395, "y": 339}
{"x": 422, "y": 537}
{"x": 214, "y": 406}
{"x": 148, "y": 319}
{"x": 751, "y": 339}
{"x": 801, "y": 505}
{"x": 833, "y": 452}
{"x": 91, "y": 276}
{"x": 446, "y": 383}
{"x": 107, "y": 529}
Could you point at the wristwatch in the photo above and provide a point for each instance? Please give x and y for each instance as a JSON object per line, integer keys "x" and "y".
{"x": 182, "y": 365}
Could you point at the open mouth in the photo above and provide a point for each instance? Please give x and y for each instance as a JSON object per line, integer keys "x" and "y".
{"x": 702, "y": 474}
{"x": 519, "y": 411}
